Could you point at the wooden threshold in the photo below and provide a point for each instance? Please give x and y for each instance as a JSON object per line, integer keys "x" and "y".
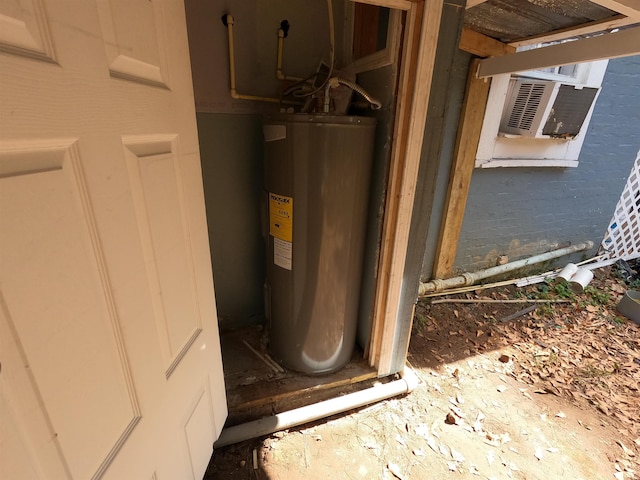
{"x": 255, "y": 388}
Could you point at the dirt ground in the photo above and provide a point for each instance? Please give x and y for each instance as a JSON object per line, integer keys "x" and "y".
{"x": 550, "y": 393}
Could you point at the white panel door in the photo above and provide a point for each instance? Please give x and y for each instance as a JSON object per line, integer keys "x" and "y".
{"x": 110, "y": 363}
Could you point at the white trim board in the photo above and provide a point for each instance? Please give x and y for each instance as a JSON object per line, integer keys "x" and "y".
{"x": 525, "y": 162}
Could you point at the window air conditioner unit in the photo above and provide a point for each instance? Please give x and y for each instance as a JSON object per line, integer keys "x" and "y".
{"x": 545, "y": 109}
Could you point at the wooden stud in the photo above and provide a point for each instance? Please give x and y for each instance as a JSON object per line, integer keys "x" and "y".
{"x": 482, "y": 45}
{"x": 405, "y": 90}
{"x": 421, "y": 40}
{"x": 472, "y": 116}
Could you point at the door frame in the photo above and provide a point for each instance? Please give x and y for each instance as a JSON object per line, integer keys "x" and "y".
{"x": 422, "y": 25}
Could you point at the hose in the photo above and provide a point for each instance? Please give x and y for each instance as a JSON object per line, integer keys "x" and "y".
{"x": 336, "y": 81}
{"x": 375, "y": 104}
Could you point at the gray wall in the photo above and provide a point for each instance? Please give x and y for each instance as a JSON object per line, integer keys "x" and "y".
{"x": 256, "y": 24}
{"x": 231, "y": 153}
{"x": 231, "y": 136}
{"x": 524, "y": 211}
{"x": 230, "y": 131}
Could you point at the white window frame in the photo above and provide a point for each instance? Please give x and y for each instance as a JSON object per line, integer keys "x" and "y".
{"x": 496, "y": 149}
{"x": 381, "y": 58}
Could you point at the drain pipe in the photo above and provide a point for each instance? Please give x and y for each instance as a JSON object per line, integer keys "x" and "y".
{"x": 467, "y": 279}
{"x": 310, "y": 413}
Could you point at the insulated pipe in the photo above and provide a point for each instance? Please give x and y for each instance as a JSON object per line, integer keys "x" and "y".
{"x": 470, "y": 278}
{"x": 300, "y": 416}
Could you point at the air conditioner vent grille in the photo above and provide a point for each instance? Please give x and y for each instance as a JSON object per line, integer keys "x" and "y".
{"x": 569, "y": 111}
{"x": 526, "y": 105}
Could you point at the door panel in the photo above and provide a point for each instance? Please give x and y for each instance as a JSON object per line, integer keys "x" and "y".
{"x": 54, "y": 257}
{"x": 160, "y": 207}
{"x": 24, "y": 29}
{"x": 109, "y": 348}
{"x": 133, "y": 35}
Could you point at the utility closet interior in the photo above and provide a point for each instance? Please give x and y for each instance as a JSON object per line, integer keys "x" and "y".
{"x": 295, "y": 110}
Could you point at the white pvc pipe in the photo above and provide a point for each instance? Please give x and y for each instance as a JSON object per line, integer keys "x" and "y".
{"x": 470, "y": 278}
{"x": 327, "y": 408}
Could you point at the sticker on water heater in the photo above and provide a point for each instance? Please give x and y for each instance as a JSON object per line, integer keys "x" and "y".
{"x": 281, "y": 217}
{"x": 282, "y": 253}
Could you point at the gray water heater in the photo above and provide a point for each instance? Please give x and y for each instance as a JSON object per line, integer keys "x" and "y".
{"x": 317, "y": 172}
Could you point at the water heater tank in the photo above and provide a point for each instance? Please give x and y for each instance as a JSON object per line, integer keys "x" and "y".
{"x": 317, "y": 172}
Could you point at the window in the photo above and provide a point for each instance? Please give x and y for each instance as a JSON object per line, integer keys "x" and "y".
{"x": 375, "y": 37}
{"x": 539, "y": 118}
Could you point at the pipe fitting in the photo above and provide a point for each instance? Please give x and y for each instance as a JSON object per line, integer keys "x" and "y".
{"x": 469, "y": 279}
{"x": 438, "y": 285}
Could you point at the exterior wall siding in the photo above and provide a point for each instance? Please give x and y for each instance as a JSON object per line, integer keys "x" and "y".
{"x": 524, "y": 211}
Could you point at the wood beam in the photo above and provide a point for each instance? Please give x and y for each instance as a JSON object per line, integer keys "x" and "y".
{"x": 473, "y": 3}
{"x": 398, "y": 4}
{"x": 482, "y": 45}
{"x": 473, "y": 108}
{"x": 612, "y": 45}
{"x": 630, "y": 8}
{"x": 610, "y": 23}
{"x": 421, "y": 40}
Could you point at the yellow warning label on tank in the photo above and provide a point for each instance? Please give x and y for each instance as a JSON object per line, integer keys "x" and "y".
{"x": 281, "y": 217}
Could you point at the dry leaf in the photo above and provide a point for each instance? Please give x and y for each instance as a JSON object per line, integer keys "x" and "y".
{"x": 626, "y": 450}
{"x": 457, "y": 456}
{"x": 433, "y": 444}
{"x": 395, "y": 470}
{"x": 450, "y": 419}
{"x": 422, "y": 430}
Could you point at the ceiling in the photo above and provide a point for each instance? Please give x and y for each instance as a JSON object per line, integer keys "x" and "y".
{"x": 497, "y": 28}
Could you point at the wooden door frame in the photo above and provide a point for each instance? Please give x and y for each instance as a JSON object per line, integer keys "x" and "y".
{"x": 422, "y": 25}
